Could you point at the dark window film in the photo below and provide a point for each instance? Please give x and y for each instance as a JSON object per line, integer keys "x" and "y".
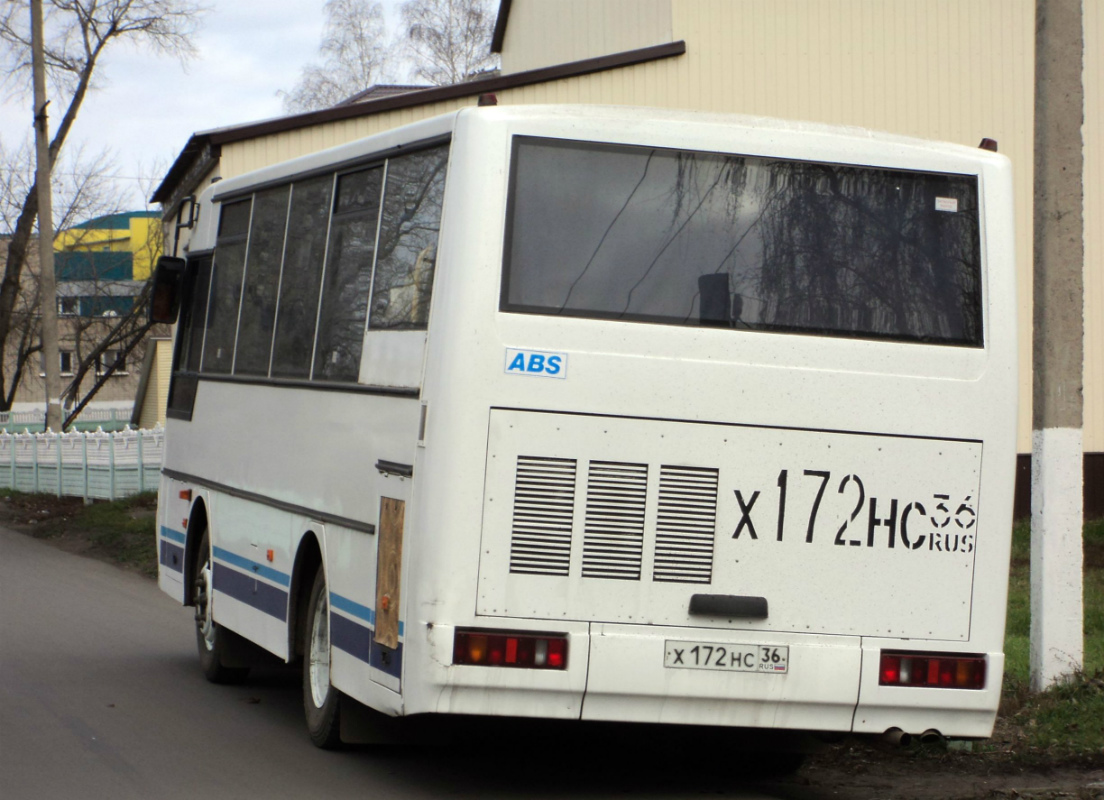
{"x": 262, "y": 280}
{"x": 408, "y": 240}
{"x": 189, "y": 336}
{"x": 687, "y": 238}
{"x": 348, "y": 276}
{"x": 226, "y": 284}
{"x": 302, "y": 277}
{"x": 193, "y": 322}
{"x": 234, "y": 220}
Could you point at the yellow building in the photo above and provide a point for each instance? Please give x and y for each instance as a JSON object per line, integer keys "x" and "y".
{"x": 954, "y": 70}
{"x": 134, "y": 232}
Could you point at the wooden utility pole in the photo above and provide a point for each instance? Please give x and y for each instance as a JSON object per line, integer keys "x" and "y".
{"x": 47, "y": 280}
{"x": 1057, "y": 640}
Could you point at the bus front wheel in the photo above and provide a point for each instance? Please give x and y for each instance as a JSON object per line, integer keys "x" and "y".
{"x": 320, "y": 700}
{"x": 212, "y": 640}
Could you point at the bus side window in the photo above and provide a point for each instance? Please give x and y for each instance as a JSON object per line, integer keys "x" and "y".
{"x": 407, "y": 250}
{"x": 226, "y": 280}
{"x": 300, "y": 281}
{"x": 348, "y": 276}
{"x": 262, "y": 278}
{"x": 189, "y": 339}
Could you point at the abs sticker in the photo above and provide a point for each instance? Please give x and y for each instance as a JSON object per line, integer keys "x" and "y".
{"x": 536, "y": 363}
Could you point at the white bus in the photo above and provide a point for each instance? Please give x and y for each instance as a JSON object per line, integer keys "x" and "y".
{"x": 602, "y": 414}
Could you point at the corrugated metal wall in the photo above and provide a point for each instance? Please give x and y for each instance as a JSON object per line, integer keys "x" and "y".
{"x": 244, "y": 156}
{"x": 542, "y": 33}
{"x": 955, "y": 70}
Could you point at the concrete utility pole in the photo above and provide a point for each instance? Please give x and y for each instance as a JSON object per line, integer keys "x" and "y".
{"x": 1057, "y": 639}
{"x": 47, "y": 281}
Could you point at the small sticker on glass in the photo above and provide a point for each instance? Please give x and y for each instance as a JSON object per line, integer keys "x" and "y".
{"x": 946, "y": 204}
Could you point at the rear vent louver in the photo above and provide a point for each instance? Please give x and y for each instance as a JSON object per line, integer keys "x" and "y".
{"x": 544, "y": 502}
{"x": 613, "y": 540}
{"x": 685, "y": 526}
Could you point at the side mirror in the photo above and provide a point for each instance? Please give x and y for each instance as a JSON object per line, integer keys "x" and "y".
{"x": 168, "y": 283}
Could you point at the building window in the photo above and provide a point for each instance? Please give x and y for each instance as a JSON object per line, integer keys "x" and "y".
{"x": 68, "y": 306}
{"x": 65, "y": 363}
{"x": 109, "y": 357}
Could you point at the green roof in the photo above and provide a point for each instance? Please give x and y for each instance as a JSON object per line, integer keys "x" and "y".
{"x": 119, "y": 221}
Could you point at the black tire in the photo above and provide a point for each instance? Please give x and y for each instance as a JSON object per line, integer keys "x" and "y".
{"x": 212, "y": 639}
{"x": 321, "y": 701}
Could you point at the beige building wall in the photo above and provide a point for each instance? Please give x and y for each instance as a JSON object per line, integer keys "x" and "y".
{"x": 954, "y": 70}
{"x": 156, "y": 396}
{"x": 543, "y": 33}
{"x": 251, "y": 154}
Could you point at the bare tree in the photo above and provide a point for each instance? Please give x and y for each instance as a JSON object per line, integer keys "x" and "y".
{"x": 78, "y": 32}
{"x": 354, "y": 52}
{"x": 448, "y": 41}
{"x": 83, "y": 190}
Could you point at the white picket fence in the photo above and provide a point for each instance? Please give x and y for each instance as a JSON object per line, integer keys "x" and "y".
{"x": 89, "y": 419}
{"x": 83, "y": 464}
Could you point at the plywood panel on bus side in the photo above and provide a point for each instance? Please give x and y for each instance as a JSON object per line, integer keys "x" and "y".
{"x": 388, "y": 571}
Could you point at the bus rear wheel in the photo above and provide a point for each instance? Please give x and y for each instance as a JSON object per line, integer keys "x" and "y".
{"x": 211, "y": 638}
{"x": 321, "y": 701}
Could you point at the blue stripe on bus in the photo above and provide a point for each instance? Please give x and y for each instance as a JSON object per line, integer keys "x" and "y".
{"x": 352, "y": 637}
{"x": 353, "y": 608}
{"x": 176, "y": 536}
{"x": 246, "y": 588}
{"x": 357, "y": 640}
{"x": 172, "y": 557}
{"x": 268, "y": 573}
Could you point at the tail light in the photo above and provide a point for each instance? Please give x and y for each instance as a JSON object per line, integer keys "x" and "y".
{"x": 932, "y": 670}
{"x": 500, "y": 649}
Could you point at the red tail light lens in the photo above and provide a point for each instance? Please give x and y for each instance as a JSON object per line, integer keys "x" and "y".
{"x": 932, "y": 670}
{"x": 523, "y": 650}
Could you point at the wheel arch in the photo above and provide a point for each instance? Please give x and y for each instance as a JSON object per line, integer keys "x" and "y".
{"x": 308, "y": 557}
{"x": 197, "y": 524}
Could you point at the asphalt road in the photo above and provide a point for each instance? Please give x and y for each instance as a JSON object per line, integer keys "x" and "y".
{"x": 101, "y": 697}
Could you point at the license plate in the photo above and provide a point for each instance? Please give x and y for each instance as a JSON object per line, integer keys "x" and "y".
{"x": 726, "y": 657}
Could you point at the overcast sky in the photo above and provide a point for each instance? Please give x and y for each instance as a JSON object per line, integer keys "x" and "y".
{"x": 146, "y": 107}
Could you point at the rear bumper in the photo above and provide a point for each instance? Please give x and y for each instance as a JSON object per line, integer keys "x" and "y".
{"x": 616, "y": 673}
{"x": 628, "y": 681}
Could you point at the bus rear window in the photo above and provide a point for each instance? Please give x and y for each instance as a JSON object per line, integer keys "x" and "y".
{"x": 703, "y": 239}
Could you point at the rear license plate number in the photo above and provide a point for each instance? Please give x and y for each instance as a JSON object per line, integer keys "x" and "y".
{"x": 726, "y": 657}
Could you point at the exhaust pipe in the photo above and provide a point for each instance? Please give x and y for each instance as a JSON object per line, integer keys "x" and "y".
{"x": 896, "y": 737}
{"x": 932, "y": 736}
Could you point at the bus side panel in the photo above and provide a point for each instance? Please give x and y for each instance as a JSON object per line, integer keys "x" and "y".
{"x": 437, "y": 686}
{"x": 252, "y": 569}
{"x": 350, "y": 558}
{"x": 172, "y": 538}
